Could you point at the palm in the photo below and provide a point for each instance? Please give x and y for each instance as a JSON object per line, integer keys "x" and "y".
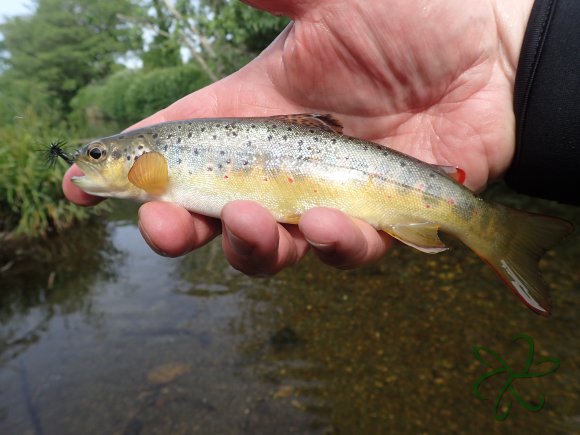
{"x": 407, "y": 81}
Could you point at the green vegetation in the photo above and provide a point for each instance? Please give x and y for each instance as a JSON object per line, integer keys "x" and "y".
{"x": 31, "y": 200}
{"x": 64, "y": 74}
{"x": 128, "y": 96}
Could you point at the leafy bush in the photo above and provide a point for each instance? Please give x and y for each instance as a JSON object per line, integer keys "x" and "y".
{"x": 158, "y": 88}
{"x": 128, "y": 96}
{"x": 31, "y": 199}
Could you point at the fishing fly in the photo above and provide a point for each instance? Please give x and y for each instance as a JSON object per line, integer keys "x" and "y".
{"x": 55, "y": 151}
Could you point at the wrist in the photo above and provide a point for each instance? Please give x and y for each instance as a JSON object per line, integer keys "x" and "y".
{"x": 511, "y": 22}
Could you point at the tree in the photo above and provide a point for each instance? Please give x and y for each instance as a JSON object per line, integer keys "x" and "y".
{"x": 164, "y": 49}
{"x": 220, "y": 35}
{"x": 66, "y": 44}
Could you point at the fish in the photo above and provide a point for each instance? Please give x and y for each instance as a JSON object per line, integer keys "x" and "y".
{"x": 292, "y": 163}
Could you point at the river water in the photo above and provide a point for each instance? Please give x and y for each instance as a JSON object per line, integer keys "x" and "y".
{"x": 100, "y": 335}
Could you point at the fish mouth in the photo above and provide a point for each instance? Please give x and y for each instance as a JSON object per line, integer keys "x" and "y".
{"x": 90, "y": 185}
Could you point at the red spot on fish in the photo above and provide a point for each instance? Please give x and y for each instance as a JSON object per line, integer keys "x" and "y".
{"x": 315, "y": 190}
{"x": 451, "y": 201}
{"x": 265, "y": 178}
{"x": 226, "y": 177}
{"x": 427, "y": 206}
{"x": 290, "y": 180}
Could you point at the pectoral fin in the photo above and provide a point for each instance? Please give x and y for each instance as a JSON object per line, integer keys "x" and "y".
{"x": 149, "y": 172}
{"x": 421, "y": 236}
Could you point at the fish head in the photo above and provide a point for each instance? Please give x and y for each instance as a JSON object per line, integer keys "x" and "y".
{"x": 106, "y": 164}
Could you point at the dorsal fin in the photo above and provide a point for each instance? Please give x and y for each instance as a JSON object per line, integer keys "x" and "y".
{"x": 325, "y": 122}
{"x": 150, "y": 173}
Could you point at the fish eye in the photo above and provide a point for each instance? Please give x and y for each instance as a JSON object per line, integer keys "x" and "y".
{"x": 97, "y": 152}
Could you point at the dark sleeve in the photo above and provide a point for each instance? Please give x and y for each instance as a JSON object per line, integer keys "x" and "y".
{"x": 547, "y": 104}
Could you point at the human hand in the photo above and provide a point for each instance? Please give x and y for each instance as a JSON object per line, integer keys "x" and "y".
{"x": 431, "y": 79}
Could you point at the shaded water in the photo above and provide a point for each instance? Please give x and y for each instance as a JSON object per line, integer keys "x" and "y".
{"x": 100, "y": 335}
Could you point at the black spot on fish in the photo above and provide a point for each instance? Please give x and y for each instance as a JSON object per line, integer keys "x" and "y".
{"x": 315, "y": 139}
{"x": 169, "y": 136}
{"x": 234, "y": 133}
{"x": 270, "y": 137}
{"x": 209, "y": 168}
{"x": 274, "y": 126}
{"x": 253, "y": 125}
{"x": 141, "y": 136}
{"x": 116, "y": 154}
{"x": 403, "y": 164}
{"x": 228, "y": 161}
{"x": 311, "y": 131}
{"x": 300, "y": 142}
{"x": 136, "y": 157}
{"x": 214, "y": 137}
{"x": 190, "y": 172}
{"x": 220, "y": 166}
{"x": 385, "y": 153}
{"x": 128, "y": 157}
{"x": 432, "y": 175}
{"x": 155, "y": 136}
{"x": 218, "y": 125}
{"x": 222, "y": 152}
{"x": 178, "y": 140}
{"x": 285, "y": 137}
{"x": 249, "y": 143}
{"x": 227, "y": 127}
{"x": 121, "y": 136}
{"x": 179, "y": 161}
{"x": 179, "y": 127}
{"x": 189, "y": 135}
{"x": 289, "y": 129}
{"x": 195, "y": 151}
{"x": 245, "y": 163}
{"x": 165, "y": 148}
{"x": 333, "y": 141}
{"x": 140, "y": 147}
{"x": 202, "y": 129}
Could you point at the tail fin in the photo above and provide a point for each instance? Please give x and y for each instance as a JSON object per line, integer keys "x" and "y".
{"x": 514, "y": 256}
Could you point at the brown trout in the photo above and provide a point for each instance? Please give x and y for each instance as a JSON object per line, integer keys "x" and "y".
{"x": 290, "y": 164}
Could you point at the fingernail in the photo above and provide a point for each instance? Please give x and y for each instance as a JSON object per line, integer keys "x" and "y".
{"x": 150, "y": 243}
{"x": 239, "y": 246}
{"x": 327, "y": 248}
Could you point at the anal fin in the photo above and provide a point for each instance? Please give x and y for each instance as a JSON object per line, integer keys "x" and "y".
{"x": 421, "y": 236}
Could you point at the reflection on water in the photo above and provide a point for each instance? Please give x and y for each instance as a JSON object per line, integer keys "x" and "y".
{"x": 120, "y": 340}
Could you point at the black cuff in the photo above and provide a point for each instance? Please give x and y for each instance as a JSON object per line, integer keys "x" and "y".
{"x": 547, "y": 104}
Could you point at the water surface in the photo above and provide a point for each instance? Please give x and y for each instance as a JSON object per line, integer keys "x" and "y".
{"x": 100, "y": 335}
